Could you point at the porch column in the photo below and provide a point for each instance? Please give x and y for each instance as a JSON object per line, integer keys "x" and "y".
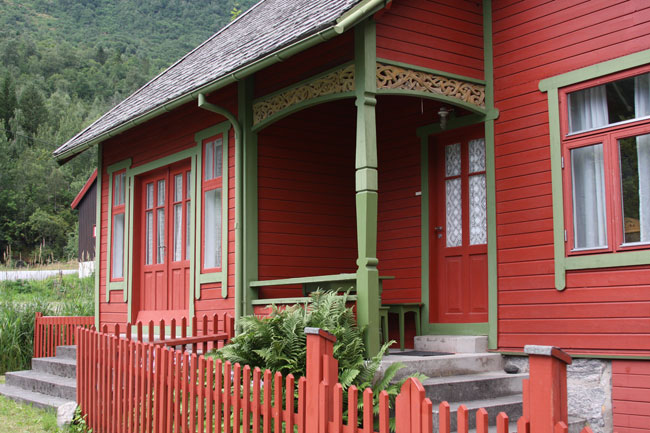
{"x": 366, "y": 184}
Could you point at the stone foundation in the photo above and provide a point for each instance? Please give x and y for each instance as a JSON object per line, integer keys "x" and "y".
{"x": 589, "y": 389}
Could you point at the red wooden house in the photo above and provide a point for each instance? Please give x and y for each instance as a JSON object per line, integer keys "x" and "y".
{"x": 86, "y": 204}
{"x": 487, "y": 160}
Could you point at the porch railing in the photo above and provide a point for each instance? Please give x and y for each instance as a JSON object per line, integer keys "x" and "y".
{"x": 132, "y": 386}
{"x": 52, "y": 331}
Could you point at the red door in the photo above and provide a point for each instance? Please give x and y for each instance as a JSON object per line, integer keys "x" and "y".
{"x": 164, "y": 236}
{"x": 458, "y": 233}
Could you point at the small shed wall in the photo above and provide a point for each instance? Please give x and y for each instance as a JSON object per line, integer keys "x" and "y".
{"x": 601, "y": 311}
{"x": 87, "y": 219}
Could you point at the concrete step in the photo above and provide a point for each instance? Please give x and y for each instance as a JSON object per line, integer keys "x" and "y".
{"x": 444, "y": 365}
{"x": 68, "y": 352}
{"x": 36, "y": 399}
{"x": 452, "y": 343}
{"x": 63, "y": 367}
{"x": 44, "y": 383}
{"x": 510, "y": 404}
{"x": 470, "y": 386}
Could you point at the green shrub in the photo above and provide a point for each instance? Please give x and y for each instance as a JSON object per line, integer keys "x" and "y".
{"x": 19, "y": 302}
{"x": 278, "y": 343}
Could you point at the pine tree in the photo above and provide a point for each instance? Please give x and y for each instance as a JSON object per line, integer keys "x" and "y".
{"x": 34, "y": 113}
{"x": 8, "y": 103}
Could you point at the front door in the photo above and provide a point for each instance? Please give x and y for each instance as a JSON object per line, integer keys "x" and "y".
{"x": 164, "y": 234}
{"x": 458, "y": 233}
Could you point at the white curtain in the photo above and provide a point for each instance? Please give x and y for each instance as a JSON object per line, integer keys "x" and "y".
{"x": 589, "y": 215}
{"x": 212, "y": 229}
{"x": 588, "y": 109}
{"x": 117, "y": 270}
{"x": 642, "y": 109}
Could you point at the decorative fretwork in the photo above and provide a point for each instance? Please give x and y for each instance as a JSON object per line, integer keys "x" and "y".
{"x": 339, "y": 81}
{"x": 395, "y": 77}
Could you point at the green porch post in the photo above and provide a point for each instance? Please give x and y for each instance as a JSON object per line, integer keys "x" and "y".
{"x": 366, "y": 184}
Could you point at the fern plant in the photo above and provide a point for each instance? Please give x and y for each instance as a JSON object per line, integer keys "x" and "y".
{"x": 278, "y": 343}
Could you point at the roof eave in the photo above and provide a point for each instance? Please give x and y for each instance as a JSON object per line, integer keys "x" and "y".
{"x": 348, "y": 20}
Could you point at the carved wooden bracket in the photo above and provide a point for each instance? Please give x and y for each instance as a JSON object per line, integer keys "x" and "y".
{"x": 389, "y": 77}
{"x": 395, "y": 77}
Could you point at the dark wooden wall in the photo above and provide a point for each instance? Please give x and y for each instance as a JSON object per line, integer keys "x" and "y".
{"x": 87, "y": 219}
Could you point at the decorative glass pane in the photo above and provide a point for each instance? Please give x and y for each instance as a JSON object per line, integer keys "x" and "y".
{"x": 635, "y": 187}
{"x": 212, "y": 229}
{"x": 178, "y": 232}
{"x": 178, "y": 187}
{"x": 218, "y": 157}
{"x": 189, "y": 192}
{"x": 160, "y": 240}
{"x": 452, "y": 160}
{"x": 209, "y": 165}
{"x": 477, "y": 155}
{"x": 588, "y": 182}
{"x": 187, "y": 231}
{"x": 161, "y": 193}
{"x": 149, "y": 237}
{"x": 454, "y": 213}
{"x": 149, "y": 195}
{"x": 477, "y": 210}
{"x": 117, "y": 271}
{"x": 119, "y": 190}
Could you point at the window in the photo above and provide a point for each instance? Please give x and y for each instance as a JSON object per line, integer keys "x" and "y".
{"x": 606, "y": 163}
{"x": 211, "y": 188}
{"x": 117, "y": 212}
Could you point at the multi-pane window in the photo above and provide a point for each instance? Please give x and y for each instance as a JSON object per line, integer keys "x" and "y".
{"x": 606, "y": 153}
{"x": 117, "y": 212}
{"x": 211, "y": 188}
{"x": 181, "y": 214}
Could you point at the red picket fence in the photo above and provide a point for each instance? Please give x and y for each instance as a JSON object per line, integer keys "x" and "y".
{"x": 52, "y": 331}
{"x": 131, "y": 386}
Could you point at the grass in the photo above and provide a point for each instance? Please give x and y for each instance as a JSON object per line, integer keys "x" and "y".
{"x": 72, "y": 264}
{"x": 16, "y": 417}
{"x": 20, "y": 300}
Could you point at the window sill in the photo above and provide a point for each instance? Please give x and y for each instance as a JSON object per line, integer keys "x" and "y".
{"x": 608, "y": 260}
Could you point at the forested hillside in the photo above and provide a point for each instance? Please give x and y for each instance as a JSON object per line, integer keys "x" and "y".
{"x": 63, "y": 63}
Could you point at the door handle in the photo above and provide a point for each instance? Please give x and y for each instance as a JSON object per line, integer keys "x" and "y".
{"x": 438, "y": 228}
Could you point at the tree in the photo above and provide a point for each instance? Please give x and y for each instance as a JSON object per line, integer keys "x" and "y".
{"x": 8, "y": 103}
{"x": 34, "y": 113}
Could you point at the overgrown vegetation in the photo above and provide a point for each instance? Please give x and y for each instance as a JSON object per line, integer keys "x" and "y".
{"x": 63, "y": 63}
{"x": 20, "y": 300}
{"x": 278, "y": 343}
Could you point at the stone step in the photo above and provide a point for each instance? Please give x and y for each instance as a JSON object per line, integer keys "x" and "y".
{"x": 452, "y": 343}
{"x": 36, "y": 399}
{"x": 470, "y": 386}
{"x": 68, "y": 352}
{"x": 510, "y": 404}
{"x": 44, "y": 383}
{"x": 64, "y": 367}
{"x": 444, "y": 365}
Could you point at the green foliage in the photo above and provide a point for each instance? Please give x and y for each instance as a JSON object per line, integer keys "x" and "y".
{"x": 63, "y": 63}
{"x": 20, "y": 300}
{"x": 278, "y": 343}
{"x": 78, "y": 424}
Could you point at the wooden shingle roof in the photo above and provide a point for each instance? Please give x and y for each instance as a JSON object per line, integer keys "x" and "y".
{"x": 266, "y": 28}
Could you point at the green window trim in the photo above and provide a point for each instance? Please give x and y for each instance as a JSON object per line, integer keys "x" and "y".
{"x": 117, "y": 285}
{"x": 551, "y": 86}
{"x": 221, "y": 276}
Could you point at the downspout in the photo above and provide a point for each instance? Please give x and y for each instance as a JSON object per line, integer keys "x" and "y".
{"x": 239, "y": 184}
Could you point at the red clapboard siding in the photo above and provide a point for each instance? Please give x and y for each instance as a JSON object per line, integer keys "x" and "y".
{"x": 163, "y": 136}
{"x": 630, "y": 396}
{"x": 601, "y": 311}
{"x": 447, "y": 36}
{"x": 306, "y": 202}
{"x": 306, "y": 64}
